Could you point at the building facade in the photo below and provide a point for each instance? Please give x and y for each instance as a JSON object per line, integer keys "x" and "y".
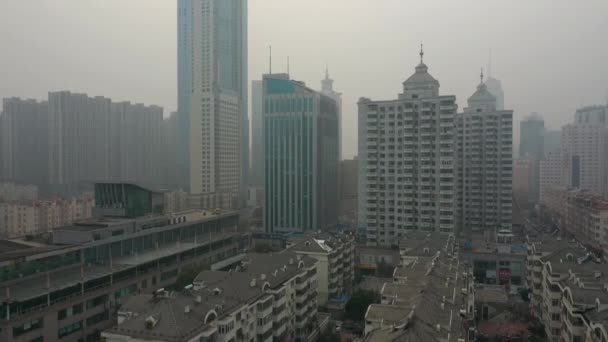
{"x": 407, "y": 163}
{"x": 257, "y": 135}
{"x": 70, "y": 288}
{"x": 14, "y": 192}
{"x": 273, "y": 301}
{"x": 95, "y": 139}
{"x": 327, "y": 88}
{"x": 550, "y": 173}
{"x": 212, "y": 96}
{"x": 484, "y": 157}
{"x": 585, "y": 156}
{"x": 23, "y": 141}
{"x": 31, "y": 217}
{"x": 335, "y": 255}
{"x": 301, "y": 155}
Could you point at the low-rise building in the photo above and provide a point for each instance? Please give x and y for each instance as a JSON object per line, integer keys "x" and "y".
{"x": 270, "y": 297}
{"x": 68, "y": 288}
{"x": 10, "y": 192}
{"x": 570, "y": 297}
{"x": 581, "y": 213}
{"x": 368, "y": 258}
{"x": 430, "y": 297}
{"x": 22, "y": 218}
{"x": 497, "y": 258}
{"x": 335, "y": 254}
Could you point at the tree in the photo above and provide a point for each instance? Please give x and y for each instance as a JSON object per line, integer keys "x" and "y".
{"x": 537, "y": 332}
{"x": 356, "y": 307}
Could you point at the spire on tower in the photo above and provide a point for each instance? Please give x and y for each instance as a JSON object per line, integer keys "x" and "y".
{"x": 287, "y": 65}
{"x": 270, "y": 59}
{"x": 326, "y": 71}
{"x": 481, "y": 76}
{"x": 421, "y": 53}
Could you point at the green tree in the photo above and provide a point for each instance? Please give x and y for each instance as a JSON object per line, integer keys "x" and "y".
{"x": 537, "y": 332}
{"x": 329, "y": 336}
{"x": 357, "y": 304}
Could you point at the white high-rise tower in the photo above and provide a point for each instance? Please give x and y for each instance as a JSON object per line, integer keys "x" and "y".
{"x": 215, "y": 54}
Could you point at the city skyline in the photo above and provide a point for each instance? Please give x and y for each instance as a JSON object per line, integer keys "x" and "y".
{"x": 139, "y": 63}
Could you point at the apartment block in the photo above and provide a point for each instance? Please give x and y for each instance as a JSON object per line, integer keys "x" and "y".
{"x": 23, "y": 218}
{"x": 550, "y": 173}
{"x": 407, "y": 164}
{"x": 335, "y": 254}
{"x": 484, "y": 164}
{"x": 23, "y": 141}
{"x": 14, "y": 192}
{"x": 69, "y": 288}
{"x": 266, "y": 298}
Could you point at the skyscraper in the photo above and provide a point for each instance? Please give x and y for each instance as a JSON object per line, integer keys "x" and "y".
{"x": 407, "y": 161}
{"x": 531, "y": 137}
{"x": 24, "y": 141}
{"x": 301, "y": 153}
{"x": 212, "y": 43}
{"x": 257, "y": 132}
{"x": 485, "y": 147}
{"x": 327, "y": 88}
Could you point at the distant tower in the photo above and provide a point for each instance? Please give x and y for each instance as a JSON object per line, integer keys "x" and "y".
{"x": 494, "y": 87}
{"x": 327, "y": 88}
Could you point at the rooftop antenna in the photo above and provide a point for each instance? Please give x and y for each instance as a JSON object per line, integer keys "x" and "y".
{"x": 270, "y": 59}
{"x": 481, "y": 75}
{"x": 421, "y": 53}
{"x": 326, "y": 71}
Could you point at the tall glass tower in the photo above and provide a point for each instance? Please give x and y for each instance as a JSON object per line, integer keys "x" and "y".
{"x": 301, "y": 154}
{"x": 212, "y": 99}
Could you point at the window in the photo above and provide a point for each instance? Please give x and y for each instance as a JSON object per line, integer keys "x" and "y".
{"x": 69, "y": 329}
{"x": 555, "y": 302}
{"x": 555, "y": 317}
{"x": 69, "y": 312}
{"x": 100, "y": 317}
{"x": 26, "y": 327}
{"x": 91, "y": 303}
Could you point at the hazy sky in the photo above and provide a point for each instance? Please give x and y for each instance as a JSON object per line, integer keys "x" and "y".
{"x": 551, "y": 55}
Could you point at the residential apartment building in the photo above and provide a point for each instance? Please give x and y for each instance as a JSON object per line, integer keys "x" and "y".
{"x": 585, "y": 156}
{"x": 349, "y": 181}
{"x": 301, "y": 154}
{"x": 484, "y": 164}
{"x": 583, "y": 214}
{"x": 95, "y": 139}
{"x": 522, "y": 168}
{"x": 550, "y": 173}
{"x": 23, "y": 218}
{"x": 23, "y": 141}
{"x": 212, "y": 98}
{"x": 430, "y": 298}
{"x": 531, "y": 149}
{"x": 14, "y": 192}
{"x": 569, "y": 290}
{"x": 335, "y": 254}
{"x": 69, "y": 289}
{"x": 267, "y": 298}
{"x": 407, "y": 164}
